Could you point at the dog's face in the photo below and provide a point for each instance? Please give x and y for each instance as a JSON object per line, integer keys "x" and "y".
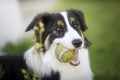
{"x": 66, "y": 28}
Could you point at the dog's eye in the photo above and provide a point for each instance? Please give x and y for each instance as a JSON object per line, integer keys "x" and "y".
{"x": 58, "y": 29}
{"x": 75, "y": 24}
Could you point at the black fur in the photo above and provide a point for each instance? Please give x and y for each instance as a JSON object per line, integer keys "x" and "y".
{"x": 80, "y": 17}
{"x": 11, "y": 67}
{"x": 53, "y": 76}
{"x": 40, "y": 17}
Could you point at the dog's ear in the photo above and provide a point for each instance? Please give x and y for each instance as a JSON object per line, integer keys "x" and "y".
{"x": 40, "y": 17}
{"x": 80, "y": 16}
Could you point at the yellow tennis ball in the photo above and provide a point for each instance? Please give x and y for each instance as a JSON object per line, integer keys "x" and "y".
{"x": 64, "y": 54}
{"x": 68, "y": 56}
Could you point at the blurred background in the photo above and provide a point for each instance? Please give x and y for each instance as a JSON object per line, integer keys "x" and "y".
{"x": 102, "y": 18}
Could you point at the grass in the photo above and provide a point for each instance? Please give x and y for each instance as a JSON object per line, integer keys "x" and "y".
{"x": 17, "y": 48}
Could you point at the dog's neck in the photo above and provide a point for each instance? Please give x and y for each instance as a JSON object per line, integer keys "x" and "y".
{"x": 41, "y": 63}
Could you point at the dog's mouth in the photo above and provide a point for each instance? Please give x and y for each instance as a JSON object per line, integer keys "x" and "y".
{"x": 75, "y": 61}
{"x": 66, "y": 55}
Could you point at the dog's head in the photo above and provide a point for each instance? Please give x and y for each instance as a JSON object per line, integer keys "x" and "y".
{"x": 65, "y": 27}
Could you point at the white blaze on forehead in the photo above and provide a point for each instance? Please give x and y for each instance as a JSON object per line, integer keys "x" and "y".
{"x": 70, "y": 35}
{"x": 65, "y": 16}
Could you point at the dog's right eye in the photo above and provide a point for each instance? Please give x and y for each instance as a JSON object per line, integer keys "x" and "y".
{"x": 58, "y": 29}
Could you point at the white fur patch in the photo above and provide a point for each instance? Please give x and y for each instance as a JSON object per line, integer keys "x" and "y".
{"x": 33, "y": 60}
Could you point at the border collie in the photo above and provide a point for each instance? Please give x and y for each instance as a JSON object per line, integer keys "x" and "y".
{"x": 64, "y": 28}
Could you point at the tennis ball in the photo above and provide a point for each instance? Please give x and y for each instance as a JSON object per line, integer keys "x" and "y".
{"x": 64, "y": 54}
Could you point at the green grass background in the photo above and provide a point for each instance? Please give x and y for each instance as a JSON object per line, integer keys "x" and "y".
{"x": 103, "y": 21}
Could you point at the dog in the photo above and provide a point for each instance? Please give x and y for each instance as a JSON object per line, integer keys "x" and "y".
{"x": 64, "y": 28}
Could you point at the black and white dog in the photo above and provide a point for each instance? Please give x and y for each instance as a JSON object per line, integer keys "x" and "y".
{"x": 66, "y": 28}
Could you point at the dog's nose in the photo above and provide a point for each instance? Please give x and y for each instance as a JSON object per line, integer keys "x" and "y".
{"x": 77, "y": 43}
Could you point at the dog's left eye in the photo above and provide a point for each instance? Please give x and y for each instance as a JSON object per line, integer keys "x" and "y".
{"x": 75, "y": 24}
